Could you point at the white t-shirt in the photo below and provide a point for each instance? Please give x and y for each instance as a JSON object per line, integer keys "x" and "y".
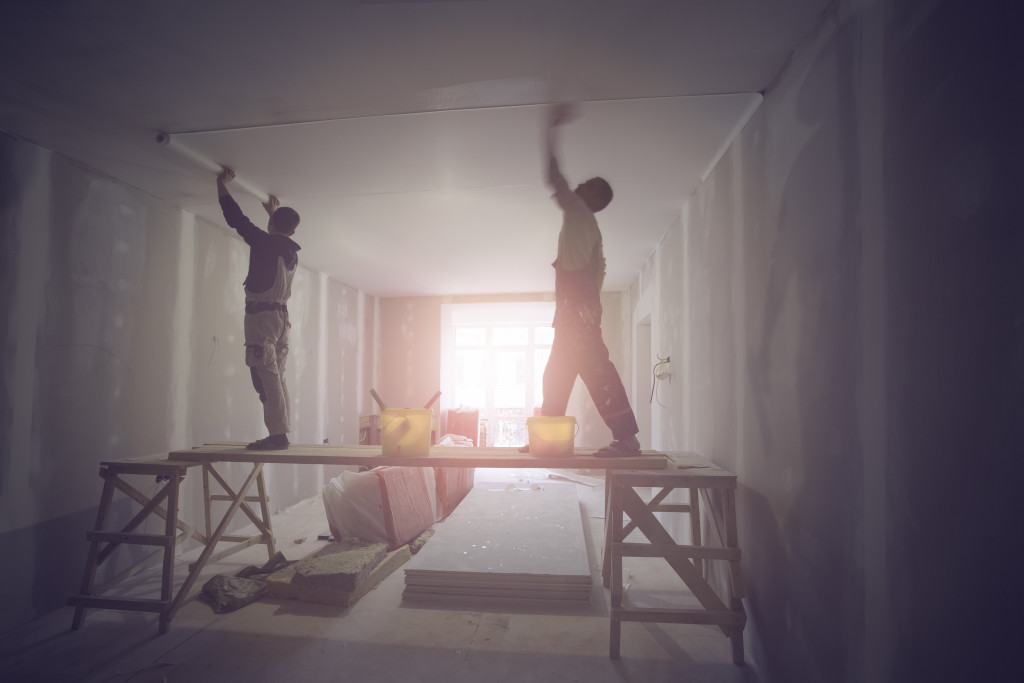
{"x": 579, "y": 242}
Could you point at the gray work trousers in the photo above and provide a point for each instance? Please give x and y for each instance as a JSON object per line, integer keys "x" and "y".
{"x": 266, "y": 351}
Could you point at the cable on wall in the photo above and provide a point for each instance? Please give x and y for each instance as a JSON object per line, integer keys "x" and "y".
{"x": 660, "y": 371}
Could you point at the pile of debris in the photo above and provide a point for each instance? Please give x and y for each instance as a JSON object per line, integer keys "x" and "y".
{"x": 337, "y": 574}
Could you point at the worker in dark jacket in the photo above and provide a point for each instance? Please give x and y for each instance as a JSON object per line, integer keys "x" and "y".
{"x": 273, "y": 257}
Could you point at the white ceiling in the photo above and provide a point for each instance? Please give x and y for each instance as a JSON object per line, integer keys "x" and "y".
{"x": 406, "y": 134}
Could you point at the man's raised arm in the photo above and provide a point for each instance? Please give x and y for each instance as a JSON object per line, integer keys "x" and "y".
{"x": 232, "y": 213}
{"x": 558, "y": 115}
{"x": 270, "y": 206}
{"x": 223, "y": 178}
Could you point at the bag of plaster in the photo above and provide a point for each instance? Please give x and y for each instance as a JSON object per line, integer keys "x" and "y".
{"x": 354, "y": 507}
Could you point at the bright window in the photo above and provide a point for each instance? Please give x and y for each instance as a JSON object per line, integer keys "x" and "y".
{"x": 493, "y": 358}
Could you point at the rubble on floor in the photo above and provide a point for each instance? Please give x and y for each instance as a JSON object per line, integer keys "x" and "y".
{"x": 225, "y": 593}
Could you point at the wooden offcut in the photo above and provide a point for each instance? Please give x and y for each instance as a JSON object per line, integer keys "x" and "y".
{"x": 338, "y": 574}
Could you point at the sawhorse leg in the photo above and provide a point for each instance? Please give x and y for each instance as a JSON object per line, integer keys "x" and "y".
{"x": 171, "y": 473}
{"x": 213, "y": 539}
{"x": 613, "y": 541}
{"x": 686, "y": 560}
{"x": 263, "y": 524}
{"x": 89, "y": 576}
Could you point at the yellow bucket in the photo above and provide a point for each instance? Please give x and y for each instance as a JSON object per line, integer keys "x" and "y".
{"x": 551, "y": 437}
{"x": 405, "y": 432}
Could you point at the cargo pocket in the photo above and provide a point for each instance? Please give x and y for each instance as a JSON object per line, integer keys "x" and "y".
{"x": 259, "y": 355}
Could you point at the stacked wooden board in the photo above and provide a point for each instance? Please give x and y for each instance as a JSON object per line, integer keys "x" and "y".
{"x": 506, "y": 545}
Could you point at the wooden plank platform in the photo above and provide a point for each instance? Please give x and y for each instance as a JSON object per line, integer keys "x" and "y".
{"x": 440, "y": 456}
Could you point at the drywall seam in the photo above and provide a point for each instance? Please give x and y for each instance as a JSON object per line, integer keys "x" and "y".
{"x": 321, "y": 353}
{"x": 181, "y": 344}
{"x": 738, "y": 304}
{"x": 686, "y": 338}
{"x": 17, "y": 504}
{"x": 741, "y": 123}
{"x": 873, "y": 422}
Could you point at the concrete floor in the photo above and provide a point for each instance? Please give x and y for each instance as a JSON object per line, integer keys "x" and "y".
{"x": 377, "y": 639}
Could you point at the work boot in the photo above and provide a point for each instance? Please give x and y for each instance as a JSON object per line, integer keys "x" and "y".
{"x": 620, "y": 448}
{"x": 274, "y": 442}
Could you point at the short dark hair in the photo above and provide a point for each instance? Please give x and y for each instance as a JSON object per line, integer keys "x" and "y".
{"x": 602, "y": 196}
{"x": 286, "y": 219}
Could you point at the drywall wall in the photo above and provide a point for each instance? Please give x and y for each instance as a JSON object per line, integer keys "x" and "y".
{"x": 842, "y": 303}
{"x": 410, "y": 355}
{"x": 410, "y": 350}
{"x": 121, "y": 323}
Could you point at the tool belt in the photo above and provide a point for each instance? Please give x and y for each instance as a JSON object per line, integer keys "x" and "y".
{"x": 261, "y": 306}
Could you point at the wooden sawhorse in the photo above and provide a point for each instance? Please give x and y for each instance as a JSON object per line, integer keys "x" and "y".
{"x": 690, "y": 562}
{"x": 165, "y": 505}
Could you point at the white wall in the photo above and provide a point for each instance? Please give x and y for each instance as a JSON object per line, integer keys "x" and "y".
{"x": 122, "y": 321}
{"x": 837, "y": 302}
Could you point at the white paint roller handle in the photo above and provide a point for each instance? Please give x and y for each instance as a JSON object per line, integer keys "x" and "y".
{"x": 168, "y": 141}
